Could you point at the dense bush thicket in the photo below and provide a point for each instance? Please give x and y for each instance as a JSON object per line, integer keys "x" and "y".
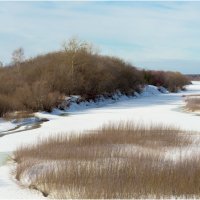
{"x": 173, "y": 81}
{"x": 41, "y": 83}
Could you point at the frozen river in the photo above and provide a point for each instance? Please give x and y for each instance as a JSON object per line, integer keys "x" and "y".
{"x": 163, "y": 108}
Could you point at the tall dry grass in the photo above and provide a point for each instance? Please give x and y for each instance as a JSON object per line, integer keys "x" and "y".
{"x": 123, "y": 161}
{"x": 18, "y": 115}
{"x": 193, "y": 102}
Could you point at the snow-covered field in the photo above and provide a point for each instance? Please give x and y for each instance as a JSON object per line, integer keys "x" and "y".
{"x": 150, "y": 107}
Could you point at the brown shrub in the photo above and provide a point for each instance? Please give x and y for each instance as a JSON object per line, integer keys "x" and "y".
{"x": 37, "y": 97}
{"x": 7, "y": 104}
{"x": 173, "y": 81}
{"x": 77, "y": 70}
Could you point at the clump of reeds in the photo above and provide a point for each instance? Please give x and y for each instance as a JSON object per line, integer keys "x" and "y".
{"x": 117, "y": 161}
{"x": 18, "y": 115}
{"x": 193, "y": 103}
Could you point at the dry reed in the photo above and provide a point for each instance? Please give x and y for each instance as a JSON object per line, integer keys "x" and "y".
{"x": 117, "y": 161}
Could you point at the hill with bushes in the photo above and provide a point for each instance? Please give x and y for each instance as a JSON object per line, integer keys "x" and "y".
{"x": 41, "y": 83}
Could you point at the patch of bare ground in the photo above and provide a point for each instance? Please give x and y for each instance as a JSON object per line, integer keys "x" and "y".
{"x": 117, "y": 161}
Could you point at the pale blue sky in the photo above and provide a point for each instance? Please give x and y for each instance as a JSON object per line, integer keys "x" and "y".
{"x": 156, "y": 35}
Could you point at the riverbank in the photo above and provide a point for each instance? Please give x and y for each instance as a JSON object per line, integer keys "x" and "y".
{"x": 157, "y": 109}
{"x": 161, "y": 108}
{"x": 72, "y": 106}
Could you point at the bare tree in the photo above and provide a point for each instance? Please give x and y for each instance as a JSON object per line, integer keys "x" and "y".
{"x": 74, "y": 46}
{"x": 18, "y": 56}
{"x": 1, "y": 64}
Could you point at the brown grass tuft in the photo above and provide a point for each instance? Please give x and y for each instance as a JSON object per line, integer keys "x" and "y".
{"x": 193, "y": 102}
{"x": 18, "y": 115}
{"x": 118, "y": 161}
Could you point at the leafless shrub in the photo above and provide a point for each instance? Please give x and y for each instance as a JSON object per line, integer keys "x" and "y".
{"x": 78, "y": 69}
{"x": 6, "y": 104}
{"x": 173, "y": 81}
{"x": 1, "y": 64}
{"x": 37, "y": 97}
{"x": 118, "y": 161}
{"x": 18, "y": 56}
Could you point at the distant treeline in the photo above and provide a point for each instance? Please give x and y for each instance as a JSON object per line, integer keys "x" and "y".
{"x": 193, "y": 77}
{"x": 41, "y": 83}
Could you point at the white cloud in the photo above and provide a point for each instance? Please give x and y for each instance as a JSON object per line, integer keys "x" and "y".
{"x": 137, "y": 31}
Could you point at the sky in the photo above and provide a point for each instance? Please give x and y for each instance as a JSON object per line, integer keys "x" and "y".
{"x": 153, "y": 35}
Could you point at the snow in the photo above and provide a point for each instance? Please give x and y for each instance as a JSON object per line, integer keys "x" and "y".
{"x": 151, "y": 106}
{"x": 102, "y": 101}
{"x": 150, "y": 90}
{"x": 4, "y": 125}
{"x": 163, "y": 90}
{"x": 147, "y": 91}
{"x": 7, "y": 127}
{"x": 10, "y": 190}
